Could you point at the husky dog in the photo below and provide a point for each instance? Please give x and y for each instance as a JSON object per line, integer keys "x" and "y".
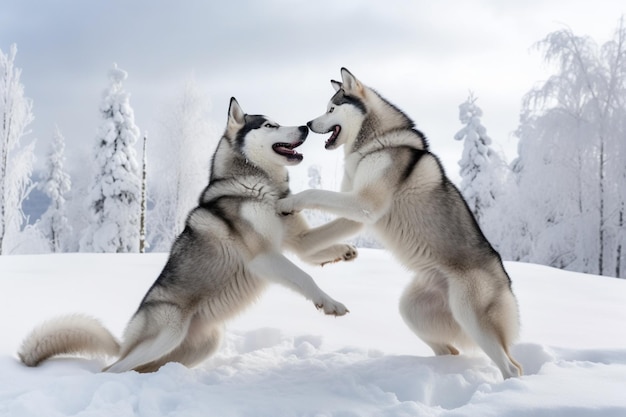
{"x": 460, "y": 293}
{"x": 230, "y": 248}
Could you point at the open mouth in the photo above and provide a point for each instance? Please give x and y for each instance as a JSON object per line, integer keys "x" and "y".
{"x": 287, "y": 150}
{"x": 330, "y": 143}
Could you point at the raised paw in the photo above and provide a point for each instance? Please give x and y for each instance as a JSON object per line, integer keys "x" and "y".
{"x": 343, "y": 252}
{"x": 331, "y": 307}
{"x": 286, "y": 206}
{"x": 351, "y": 253}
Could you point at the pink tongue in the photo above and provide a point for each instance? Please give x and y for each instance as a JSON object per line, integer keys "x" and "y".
{"x": 333, "y": 136}
{"x": 285, "y": 150}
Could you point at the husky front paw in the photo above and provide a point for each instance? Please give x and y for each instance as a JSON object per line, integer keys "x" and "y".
{"x": 345, "y": 252}
{"x": 331, "y": 307}
{"x": 287, "y": 205}
{"x": 298, "y": 202}
{"x": 350, "y": 253}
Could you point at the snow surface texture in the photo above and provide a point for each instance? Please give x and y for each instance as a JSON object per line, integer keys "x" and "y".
{"x": 281, "y": 357}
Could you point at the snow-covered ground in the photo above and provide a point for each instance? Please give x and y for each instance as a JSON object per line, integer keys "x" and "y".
{"x": 281, "y": 357}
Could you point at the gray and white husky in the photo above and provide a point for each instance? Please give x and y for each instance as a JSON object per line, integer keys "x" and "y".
{"x": 461, "y": 293}
{"x": 230, "y": 249}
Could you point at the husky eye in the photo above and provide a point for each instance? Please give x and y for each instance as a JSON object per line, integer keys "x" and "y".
{"x": 332, "y": 109}
{"x": 271, "y": 126}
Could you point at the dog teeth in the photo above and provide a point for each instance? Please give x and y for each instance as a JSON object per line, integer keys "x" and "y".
{"x": 331, "y": 140}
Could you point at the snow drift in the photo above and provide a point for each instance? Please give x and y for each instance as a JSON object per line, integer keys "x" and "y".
{"x": 281, "y": 357}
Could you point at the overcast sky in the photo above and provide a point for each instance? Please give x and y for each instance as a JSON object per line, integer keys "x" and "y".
{"x": 277, "y": 58}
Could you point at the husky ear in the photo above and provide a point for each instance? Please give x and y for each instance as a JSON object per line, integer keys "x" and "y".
{"x": 336, "y": 85}
{"x": 236, "y": 116}
{"x": 350, "y": 84}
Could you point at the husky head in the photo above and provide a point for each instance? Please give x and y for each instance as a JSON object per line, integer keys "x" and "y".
{"x": 356, "y": 113}
{"x": 256, "y": 141}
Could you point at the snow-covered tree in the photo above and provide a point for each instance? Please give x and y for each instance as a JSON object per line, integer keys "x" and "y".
{"x": 115, "y": 195}
{"x": 482, "y": 169}
{"x": 16, "y": 162}
{"x": 79, "y": 216}
{"x": 570, "y": 170}
{"x": 315, "y": 176}
{"x": 484, "y": 178}
{"x": 186, "y": 143}
{"x": 316, "y": 217}
{"x": 56, "y": 184}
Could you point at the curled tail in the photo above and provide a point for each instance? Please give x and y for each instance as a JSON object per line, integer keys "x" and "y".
{"x": 73, "y": 334}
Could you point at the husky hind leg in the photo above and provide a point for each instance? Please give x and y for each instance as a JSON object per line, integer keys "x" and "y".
{"x": 152, "y": 333}
{"x": 487, "y": 311}
{"x": 203, "y": 339}
{"x": 424, "y": 308}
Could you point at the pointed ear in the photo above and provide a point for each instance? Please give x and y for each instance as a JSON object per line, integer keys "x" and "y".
{"x": 350, "y": 84}
{"x": 236, "y": 116}
{"x": 336, "y": 84}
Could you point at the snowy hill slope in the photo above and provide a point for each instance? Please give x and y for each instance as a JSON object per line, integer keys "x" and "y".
{"x": 281, "y": 357}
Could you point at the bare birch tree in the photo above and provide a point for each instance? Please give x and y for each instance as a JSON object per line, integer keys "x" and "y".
{"x": 15, "y": 162}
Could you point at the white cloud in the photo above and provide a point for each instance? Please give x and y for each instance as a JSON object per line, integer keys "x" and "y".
{"x": 278, "y": 56}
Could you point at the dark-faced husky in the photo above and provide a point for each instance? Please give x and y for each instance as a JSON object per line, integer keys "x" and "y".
{"x": 392, "y": 182}
{"x": 230, "y": 248}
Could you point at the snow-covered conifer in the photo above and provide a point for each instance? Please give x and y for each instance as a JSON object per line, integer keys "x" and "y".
{"x": 115, "y": 193}
{"x": 56, "y": 184}
{"x": 481, "y": 166}
{"x": 316, "y": 217}
{"x": 484, "y": 178}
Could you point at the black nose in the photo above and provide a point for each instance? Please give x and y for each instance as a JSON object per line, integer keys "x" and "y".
{"x": 303, "y": 129}
{"x": 309, "y": 123}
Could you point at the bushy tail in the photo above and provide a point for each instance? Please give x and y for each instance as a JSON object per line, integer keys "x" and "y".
{"x": 73, "y": 334}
